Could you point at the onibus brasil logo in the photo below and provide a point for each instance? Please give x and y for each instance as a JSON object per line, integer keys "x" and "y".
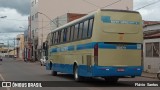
{"x": 20, "y": 84}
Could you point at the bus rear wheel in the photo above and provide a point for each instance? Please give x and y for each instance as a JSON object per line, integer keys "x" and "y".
{"x": 158, "y": 76}
{"x": 76, "y": 76}
{"x": 54, "y": 73}
{"x": 111, "y": 79}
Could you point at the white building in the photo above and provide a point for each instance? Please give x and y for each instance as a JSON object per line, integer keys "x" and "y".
{"x": 43, "y": 11}
{"x": 151, "y": 48}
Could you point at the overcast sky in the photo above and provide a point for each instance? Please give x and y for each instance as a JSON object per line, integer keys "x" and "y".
{"x": 17, "y": 12}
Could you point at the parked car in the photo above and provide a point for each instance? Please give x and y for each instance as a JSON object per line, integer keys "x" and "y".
{"x": 158, "y": 75}
{"x": 43, "y": 61}
{"x": 15, "y": 56}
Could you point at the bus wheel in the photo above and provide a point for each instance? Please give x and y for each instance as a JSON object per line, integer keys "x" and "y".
{"x": 76, "y": 76}
{"x": 158, "y": 76}
{"x": 111, "y": 79}
{"x": 54, "y": 73}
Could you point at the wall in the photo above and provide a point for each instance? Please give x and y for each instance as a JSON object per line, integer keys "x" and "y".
{"x": 151, "y": 64}
{"x": 152, "y": 27}
{"x": 151, "y": 49}
{"x": 63, "y": 19}
{"x": 55, "y": 8}
{"x": 20, "y": 46}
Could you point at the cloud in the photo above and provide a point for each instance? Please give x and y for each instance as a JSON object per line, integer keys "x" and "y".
{"x": 13, "y": 21}
{"x": 151, "y": 12}
{"x": 9, "y": 27}
{"x": 8, "y": 38}
{"x": 22, "y": 6}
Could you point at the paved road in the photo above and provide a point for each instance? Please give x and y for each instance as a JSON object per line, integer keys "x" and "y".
{"x": 14, "y": 70}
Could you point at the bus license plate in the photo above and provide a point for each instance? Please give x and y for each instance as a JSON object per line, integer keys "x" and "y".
{"x": 120, "y": 70}
{"x": 121, "y": 46}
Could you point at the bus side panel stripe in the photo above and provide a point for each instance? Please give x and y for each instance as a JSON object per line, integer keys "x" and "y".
{"x": 91, "y": 46}
{"x": 108, "y": 46}
{"x": 86, "y": 46}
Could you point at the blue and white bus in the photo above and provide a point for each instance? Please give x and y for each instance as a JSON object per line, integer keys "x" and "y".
{"x": 106, "y": 43}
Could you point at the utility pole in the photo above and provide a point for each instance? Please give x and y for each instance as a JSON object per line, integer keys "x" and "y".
{"x": 42, "y": 41}
{"x": 14, "y": 46}
{"x": 8, "y": 48}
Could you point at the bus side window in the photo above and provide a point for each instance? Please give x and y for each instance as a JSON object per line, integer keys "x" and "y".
{"x": 53, "y": 38}
{"x": 59, "y": 36}
{"x": 72, "y": 33}
{"x": 62, "y": 32}
{"x": 85, "y": 29}
{"x": 56, "y": 37}
{"x": 76, "y": 31}
{"x": 68, "y": 33}
{"x": 90, "y": 27}
{"x": 80, "y": 31}
{"x": 49, "y": 39}
{"x": 65, "y": 35}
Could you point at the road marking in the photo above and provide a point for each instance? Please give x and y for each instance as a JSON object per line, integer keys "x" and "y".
{"x": 4, "y": 81}
{"x": 2, "y": 77}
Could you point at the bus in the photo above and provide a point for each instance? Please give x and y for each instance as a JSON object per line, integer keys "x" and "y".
{"x": 106, "y": 43}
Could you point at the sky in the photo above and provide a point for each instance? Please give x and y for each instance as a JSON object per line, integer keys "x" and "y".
{"x": 17, "y": 12}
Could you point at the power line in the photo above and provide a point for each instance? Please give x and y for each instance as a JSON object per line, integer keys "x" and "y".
{"x": 111, "y": 4}
{"x": 91, "y": 3}
{"x": 148, "y": 5}
{"x": 62, "y": 20}
{"x": 89, "y": 11}
{"x": 107, "y": 5}
{"x": 23, "y": 20}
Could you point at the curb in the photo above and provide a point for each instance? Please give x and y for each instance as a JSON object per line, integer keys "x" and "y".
{"x": 150, "y": 77}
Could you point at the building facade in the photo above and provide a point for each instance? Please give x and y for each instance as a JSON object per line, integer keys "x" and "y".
{"x": 28, "y": 52}
{"x": 151, "y": 48}
{"x": 44, "y": 11}
{"x": 20, "y": 46}
{"x": 64, "y": 19}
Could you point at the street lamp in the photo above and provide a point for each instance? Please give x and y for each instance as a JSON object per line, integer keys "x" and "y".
{"x": 47, "y": 17}
{"x": 3, "y": 16}
{"x": 51, "y": 21}
{"x": 42, "y": 50}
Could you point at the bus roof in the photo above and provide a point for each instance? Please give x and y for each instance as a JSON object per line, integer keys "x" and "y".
{"x": 116, "y": 10}
{"x": 91, "y": 15}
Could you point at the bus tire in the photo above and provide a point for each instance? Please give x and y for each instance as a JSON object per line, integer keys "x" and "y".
{"x": 111, "y": 79}
{"x": 54, "y": 73}
{"x": 158, "y": 76}
{"x": 76, "y": 76}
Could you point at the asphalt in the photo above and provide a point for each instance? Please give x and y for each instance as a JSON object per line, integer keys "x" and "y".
{"x": 144, "y": 74}
{"x": 18, "y": 70}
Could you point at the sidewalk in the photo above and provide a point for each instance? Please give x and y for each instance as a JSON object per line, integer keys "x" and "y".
{"x": 31, "y": 61}
{"x": 149, "y": 75}
{"x": 18, "y": 59}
